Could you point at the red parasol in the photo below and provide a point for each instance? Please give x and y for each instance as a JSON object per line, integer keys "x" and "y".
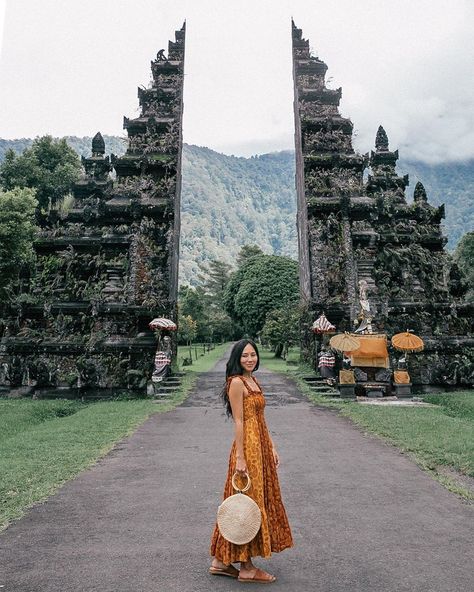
{"x": 162, "y": 323}
{"x": 322, "y": 325}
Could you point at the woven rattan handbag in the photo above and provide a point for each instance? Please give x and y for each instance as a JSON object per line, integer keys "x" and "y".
{"x": 239, "y": 517}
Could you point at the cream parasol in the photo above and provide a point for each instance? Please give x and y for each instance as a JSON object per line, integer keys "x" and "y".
{"x": 344, "y": 342}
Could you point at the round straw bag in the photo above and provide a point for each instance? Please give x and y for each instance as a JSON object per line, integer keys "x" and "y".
{"x": 239, "y": 517}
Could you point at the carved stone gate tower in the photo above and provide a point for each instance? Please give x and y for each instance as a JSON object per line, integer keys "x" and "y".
{"x": 109, "y": 265}
{"x": 351, "y": 229}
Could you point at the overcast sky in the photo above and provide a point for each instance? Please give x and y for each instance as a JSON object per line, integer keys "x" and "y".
{"x": 73, "y": 67}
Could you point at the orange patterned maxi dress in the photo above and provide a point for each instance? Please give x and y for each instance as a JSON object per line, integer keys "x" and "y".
{"x": 274, "y": 534}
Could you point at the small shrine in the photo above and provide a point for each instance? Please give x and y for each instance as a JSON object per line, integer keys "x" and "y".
{"x": 357, "y": 230}
{"x": 367, "y": 369}
{"x": 108, "y": 265}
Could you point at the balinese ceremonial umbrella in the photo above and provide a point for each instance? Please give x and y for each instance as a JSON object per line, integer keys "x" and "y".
{"x": 322, "y": 325}
{"x": 344, "y": 342}
{"x": 408, "y": 342}
{"x": 162, "y": 323}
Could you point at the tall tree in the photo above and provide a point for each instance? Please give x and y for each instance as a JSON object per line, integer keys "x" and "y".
{"x": 263, "y": 283}
{"x": 215, "y": 278}
{"x": 221, "y": 327}
{"x": 212, "y": 322}
{"x": 187, "y": 331}
{"x": 281, "y": 329}
{"x": 50, "y": 166}
{"x": 246, "y": 252}
{"x": 192, "y": 302}
{"x": 17, "y": 231}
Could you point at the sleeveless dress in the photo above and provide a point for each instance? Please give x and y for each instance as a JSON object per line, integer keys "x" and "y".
{"x": 274, "y": 534}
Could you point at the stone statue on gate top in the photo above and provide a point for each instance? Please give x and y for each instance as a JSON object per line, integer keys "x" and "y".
{"x": 365, "y": 313}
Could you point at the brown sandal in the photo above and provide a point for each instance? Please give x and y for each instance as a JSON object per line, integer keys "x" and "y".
{"x": 260, "y": 577}
{"x": 230, "y": 571}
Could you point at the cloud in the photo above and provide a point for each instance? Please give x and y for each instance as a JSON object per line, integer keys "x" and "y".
{"x": 73, "y": 68}
{"x": 2, "y": 19}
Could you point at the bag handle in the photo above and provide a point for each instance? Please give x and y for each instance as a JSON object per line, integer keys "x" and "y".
{"x": 246, "y": 488}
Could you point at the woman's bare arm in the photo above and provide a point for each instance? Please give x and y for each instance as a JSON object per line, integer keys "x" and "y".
{"x": 276, "y": 457}
{"x": 236, "y": 398}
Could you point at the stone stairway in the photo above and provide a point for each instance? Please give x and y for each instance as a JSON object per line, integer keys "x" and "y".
{"x": 320, "y": 387}
{"x": 166, "y": 388}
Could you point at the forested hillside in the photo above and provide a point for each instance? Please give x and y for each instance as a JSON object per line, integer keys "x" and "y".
{"x": 113, "y": 144}
{"x": 450, "y": 183}
{"x": 230, "y": 201}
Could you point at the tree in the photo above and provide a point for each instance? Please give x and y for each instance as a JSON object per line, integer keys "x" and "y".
{"x": 50, "y": 166}
{"x": 204, "y": 303}
{"x": 212, "y": 322}
{"x": 464, "y": 257}
{"x": 281, "y": 329}
{"x": 215, "y": 279}
{"x": 263, "y": 283}
{"x": 187, "y": 331}
{"x": 246, "y": 252}
{"x": 193, "y": 302}
{"x": 220, "y": 325}
{"x": 17, "y": 230}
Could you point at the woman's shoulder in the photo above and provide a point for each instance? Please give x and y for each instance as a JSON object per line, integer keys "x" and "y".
{"x": 235, "y": 379}
{"x": 239, "y": 382}
{"x": 236, "y": 383}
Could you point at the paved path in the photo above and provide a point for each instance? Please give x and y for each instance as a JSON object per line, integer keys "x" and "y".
{"x": 364, "y": 518}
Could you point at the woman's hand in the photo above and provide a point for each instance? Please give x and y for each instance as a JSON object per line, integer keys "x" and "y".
{"x": 241, "y": 465}
{"x": 276, "y": 458}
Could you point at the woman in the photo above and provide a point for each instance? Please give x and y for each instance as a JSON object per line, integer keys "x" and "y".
{"x": 252, "y": 453}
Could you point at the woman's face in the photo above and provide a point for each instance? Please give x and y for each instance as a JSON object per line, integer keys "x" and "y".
{"x": 249, "y": 358}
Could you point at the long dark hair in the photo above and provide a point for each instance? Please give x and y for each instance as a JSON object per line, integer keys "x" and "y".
{"x": 233, "y": 368}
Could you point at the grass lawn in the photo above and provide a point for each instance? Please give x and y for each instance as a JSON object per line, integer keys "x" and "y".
{"x": 44, "y": 443}
{"x": 433, "y": 436}
{"x": 268, "y": 360}
{"x": 204, "y": 361}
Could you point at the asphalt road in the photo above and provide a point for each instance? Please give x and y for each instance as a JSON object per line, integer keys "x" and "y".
{"x": 364, "y": 517}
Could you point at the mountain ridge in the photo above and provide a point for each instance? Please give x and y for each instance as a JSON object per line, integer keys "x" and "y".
{"x": 229, "y": 201}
